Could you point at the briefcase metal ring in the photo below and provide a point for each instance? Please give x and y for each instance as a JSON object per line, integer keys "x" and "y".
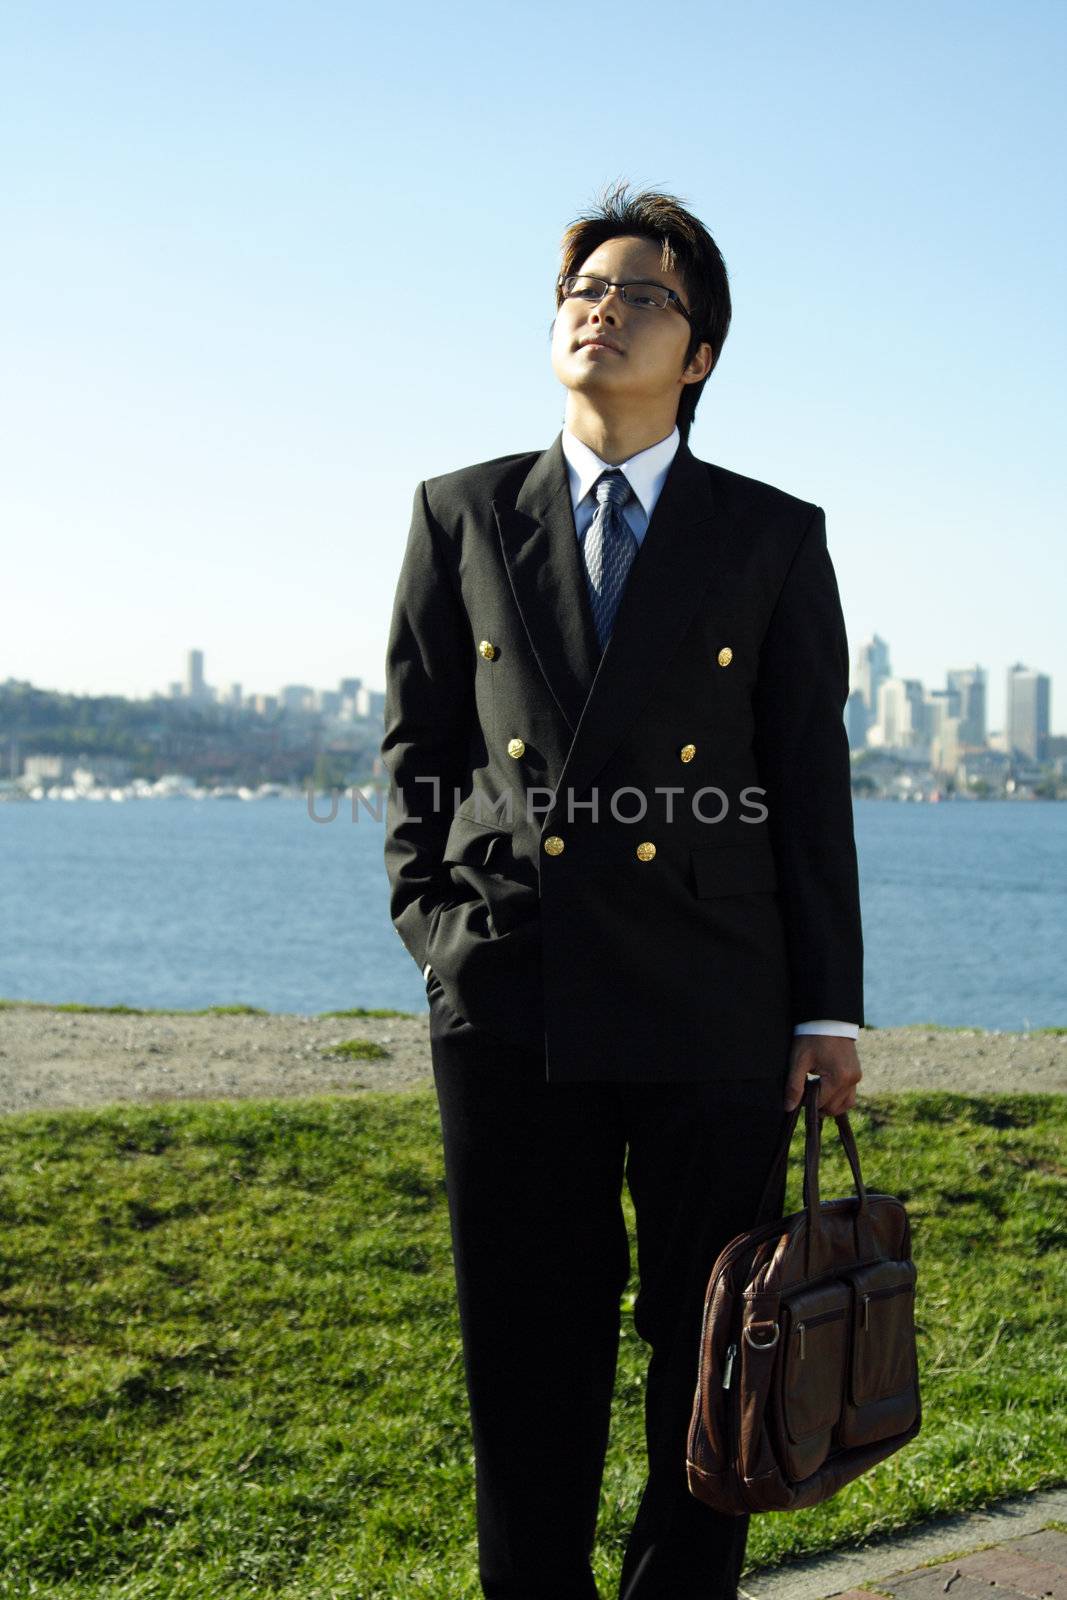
{"x": 766, "y": 1344}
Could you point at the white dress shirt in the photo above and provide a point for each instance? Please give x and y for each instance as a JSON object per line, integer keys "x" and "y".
{"x": 646, "y": 473}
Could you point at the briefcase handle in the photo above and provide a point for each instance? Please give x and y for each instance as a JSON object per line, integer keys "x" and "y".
{"x": 809, "y": 1103}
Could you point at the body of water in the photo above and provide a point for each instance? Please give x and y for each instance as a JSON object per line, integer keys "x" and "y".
{"x": 183, "y": 904}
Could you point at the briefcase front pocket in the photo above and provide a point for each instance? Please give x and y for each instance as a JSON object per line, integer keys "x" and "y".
{"x": 882, "y": 1394}
{"x": 813, "y": 1361}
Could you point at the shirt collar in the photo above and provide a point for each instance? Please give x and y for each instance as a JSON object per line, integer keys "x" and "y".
{"x": 645, "y": 472}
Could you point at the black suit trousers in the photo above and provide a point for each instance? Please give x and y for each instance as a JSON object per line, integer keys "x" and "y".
{"x": 534, "y": 1173}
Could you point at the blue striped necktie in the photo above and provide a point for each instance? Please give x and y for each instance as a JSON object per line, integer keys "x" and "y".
{"x": 608, "y": 548}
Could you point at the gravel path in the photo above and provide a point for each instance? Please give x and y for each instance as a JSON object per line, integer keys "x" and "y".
{"x": 52, "y": 1058}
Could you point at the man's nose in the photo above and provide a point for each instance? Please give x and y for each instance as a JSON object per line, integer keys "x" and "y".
{"x": 606, "y": 306}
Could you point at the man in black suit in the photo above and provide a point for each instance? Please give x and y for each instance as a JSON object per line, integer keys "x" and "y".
{"x": 620, "y": 848}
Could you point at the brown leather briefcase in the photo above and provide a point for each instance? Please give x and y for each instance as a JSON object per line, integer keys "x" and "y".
{"x": 808, "y": 1373}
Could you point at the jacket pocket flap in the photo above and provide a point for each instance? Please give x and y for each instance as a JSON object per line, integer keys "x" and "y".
{"x": 734, "y": 868}
{"x": 473, "y": 844}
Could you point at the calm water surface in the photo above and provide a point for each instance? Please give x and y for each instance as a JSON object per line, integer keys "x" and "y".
{"x": 185, "y": 903}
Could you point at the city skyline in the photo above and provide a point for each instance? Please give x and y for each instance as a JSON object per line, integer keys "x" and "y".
{"x": 888, "y": 711}
{"x": 352, "y": 697}
{"x": 965, "y": 694}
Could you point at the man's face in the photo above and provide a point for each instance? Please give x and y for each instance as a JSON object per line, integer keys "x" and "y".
{"x": 644, "y": 369}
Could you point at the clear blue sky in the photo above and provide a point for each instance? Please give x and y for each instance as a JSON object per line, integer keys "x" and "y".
{"x": 265, "y": 266}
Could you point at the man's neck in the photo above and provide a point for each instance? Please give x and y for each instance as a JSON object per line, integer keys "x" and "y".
{"x": 616, "y": 439}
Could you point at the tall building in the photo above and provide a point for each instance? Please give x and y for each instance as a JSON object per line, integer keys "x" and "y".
{"x": 370, "y": 703}
{"x": 941, "y": 725}
{"x": 939, "y": 704}
{"x": 970, "y": 685}
{"x": 1026, "y": 712}
{"x": 194, "y": 675}
{"x": 857, "y": 720}
{"x": 297, "y": 697}
{"x": 870, "y": 671}
{"x": 901, "y": 714}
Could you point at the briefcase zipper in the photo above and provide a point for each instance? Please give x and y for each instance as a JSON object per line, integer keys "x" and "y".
{"x": 813, "y": 1322}
{"x": 738, "y": 1249}
{"x": 880, "y": 1294}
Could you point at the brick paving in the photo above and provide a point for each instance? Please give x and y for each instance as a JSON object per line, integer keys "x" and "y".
{"x": 1011, "y": 1549}
{"x": 1031, "y": 1567}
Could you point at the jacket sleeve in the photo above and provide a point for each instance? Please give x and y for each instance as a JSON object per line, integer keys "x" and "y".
{"x": 429, "y": 713}
{"x": 803, "y": 757}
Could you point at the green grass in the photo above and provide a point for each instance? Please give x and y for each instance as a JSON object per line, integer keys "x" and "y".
{"x": 240, "y": 1009}
{"x": 237, "y": 1010}
{"x": 948, "y": 1027}
{"x": 944, "y": 1027}
{"x": 358, "y": 1050}
{"x": 370, "y": 1011}
{"x": 232, "y": 1367}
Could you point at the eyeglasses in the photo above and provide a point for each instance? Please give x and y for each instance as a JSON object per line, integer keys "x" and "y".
{"x": 646, "y": 296}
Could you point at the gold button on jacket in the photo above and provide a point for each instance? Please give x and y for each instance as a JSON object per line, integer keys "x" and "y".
{"x": 646, "y": 851}
{"x": 487, "y": 649}
{"x": 554, "y": 844}
{"x": 516, "y": 748}
{"x": 687, "y": 752}
{"x": 726, "y": 655}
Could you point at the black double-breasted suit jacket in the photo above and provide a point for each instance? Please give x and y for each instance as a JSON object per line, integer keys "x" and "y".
{"x": 639, "y": 863}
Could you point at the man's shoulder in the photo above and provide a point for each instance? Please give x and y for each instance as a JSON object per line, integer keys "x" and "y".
{"x": 482, "y": 480}
{"x": 744, "y": 493}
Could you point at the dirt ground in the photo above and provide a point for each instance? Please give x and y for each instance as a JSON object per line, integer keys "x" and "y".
{"x": 51, "y": 1058}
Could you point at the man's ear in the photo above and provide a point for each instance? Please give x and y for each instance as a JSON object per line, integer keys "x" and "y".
{"x": 700, "y": 365}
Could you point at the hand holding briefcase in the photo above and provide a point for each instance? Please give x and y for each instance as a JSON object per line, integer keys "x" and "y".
{"x": 808, "y": 1373}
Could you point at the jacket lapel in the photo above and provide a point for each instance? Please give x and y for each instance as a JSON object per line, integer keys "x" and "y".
{"x": 674, "y": 566}
{"x": 544, "y": 563}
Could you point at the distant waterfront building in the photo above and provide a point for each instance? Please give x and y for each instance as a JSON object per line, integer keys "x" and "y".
{"x": 231, "y": 696}
{"x": 43, "y": 768}
{"x": 1027, "y": 707}
{"x": 857, "y": 720}
{"x": 348, "y": 688}
{"x": 939, "y": 705}
{"x": 194, "y": 675}
{"x": 944, "y": 746}
{"x": 100, "y": 771}
{"x": 901, "y": 723}
{"x": 970, "y": 685}
{"x": 870, "y": 672}
{"x": 989, "y": 767}
{"x": 370, "y": 703}
{"x": 297, "y": 697}
{"x": 941, "y": 729}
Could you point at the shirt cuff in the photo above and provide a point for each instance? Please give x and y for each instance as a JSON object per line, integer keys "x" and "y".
{"x": 840, "y": 1030}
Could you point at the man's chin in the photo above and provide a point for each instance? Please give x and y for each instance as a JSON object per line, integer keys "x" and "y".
{"x": 591, "y": 378}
